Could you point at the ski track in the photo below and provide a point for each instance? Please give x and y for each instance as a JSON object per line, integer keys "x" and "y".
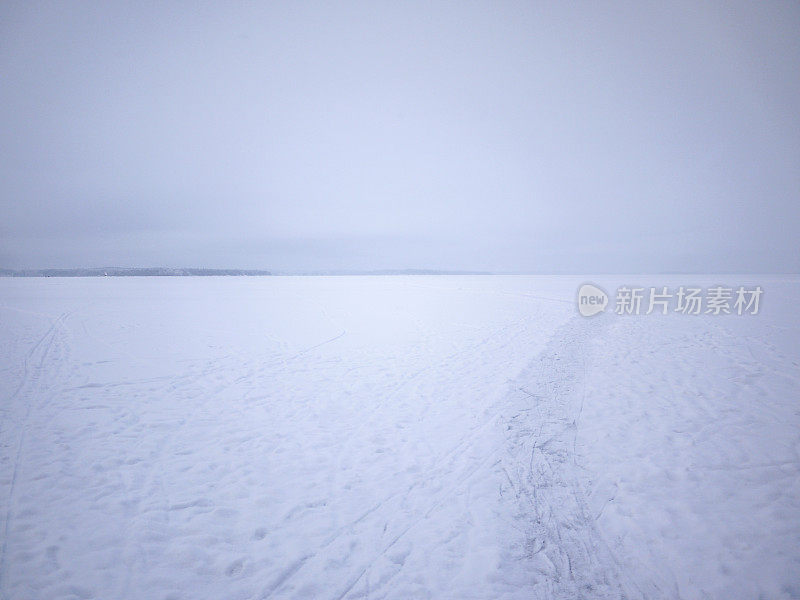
{"x": 33, "y": 391}
{"x": 445, "y": 446}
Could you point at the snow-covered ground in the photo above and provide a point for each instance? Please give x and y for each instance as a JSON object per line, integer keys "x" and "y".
{"x": 400, "y": 437}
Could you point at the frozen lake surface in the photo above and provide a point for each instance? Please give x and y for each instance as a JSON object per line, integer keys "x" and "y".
{"x": 393, "y": 437}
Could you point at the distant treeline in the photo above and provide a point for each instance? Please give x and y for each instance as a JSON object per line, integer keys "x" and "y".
{"x": 390, "y": 272}
{"x": 125, "y": 272}
{"x": 165, "y": 272}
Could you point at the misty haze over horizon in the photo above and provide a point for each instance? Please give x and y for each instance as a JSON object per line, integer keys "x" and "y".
{"x": 302, "y": 137}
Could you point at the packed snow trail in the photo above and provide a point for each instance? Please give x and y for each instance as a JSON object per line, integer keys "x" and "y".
{"x": 558, "y": 552}
{"x": 390, "y": 437}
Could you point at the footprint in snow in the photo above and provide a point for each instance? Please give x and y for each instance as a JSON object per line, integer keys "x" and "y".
{"x": 235, "y": 568}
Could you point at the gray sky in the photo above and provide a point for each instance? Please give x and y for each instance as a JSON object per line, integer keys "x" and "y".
{"x": 547, "y": 137}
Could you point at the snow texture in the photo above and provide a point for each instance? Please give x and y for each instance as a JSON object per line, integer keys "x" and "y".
{"x": 393, "y": 437}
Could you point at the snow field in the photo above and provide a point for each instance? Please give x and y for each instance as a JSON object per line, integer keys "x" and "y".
{"x": 392, "y": 437}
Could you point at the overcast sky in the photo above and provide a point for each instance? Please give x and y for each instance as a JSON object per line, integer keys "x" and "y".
{"x": 535, "y": 136}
